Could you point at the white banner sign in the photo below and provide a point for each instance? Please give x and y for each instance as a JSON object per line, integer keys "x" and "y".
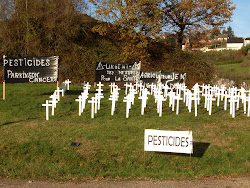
{"x": 168, "y": 141}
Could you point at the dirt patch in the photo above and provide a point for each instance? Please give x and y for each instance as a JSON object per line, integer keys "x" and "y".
{"x": 213, "y": 183}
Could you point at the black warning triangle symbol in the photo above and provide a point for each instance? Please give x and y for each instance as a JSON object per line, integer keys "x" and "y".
{"x": 99, "y": 66}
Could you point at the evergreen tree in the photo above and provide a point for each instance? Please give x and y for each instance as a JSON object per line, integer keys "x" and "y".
{"x": 230, "y": 32}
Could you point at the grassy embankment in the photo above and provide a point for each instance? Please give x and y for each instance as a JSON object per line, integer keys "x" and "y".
{"x": 231, "y": 65}
{"x": 112, "y": 146}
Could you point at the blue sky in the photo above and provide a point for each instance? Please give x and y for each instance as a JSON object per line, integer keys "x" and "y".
{"x": 240, "y": 21}
{"x": 241, "y": 18}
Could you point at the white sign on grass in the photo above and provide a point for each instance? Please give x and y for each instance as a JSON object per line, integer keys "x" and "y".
{"x": 168, "y": 141}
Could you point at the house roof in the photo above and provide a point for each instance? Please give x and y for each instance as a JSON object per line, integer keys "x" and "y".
{"x": 248, "y": 38}
{"x": 235, "y": 40}
{"x": 221, "y": 36}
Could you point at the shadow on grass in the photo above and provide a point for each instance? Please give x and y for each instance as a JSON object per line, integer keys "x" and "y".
{"x": 199, "y": 149}
{"x": 49, "y": 93}
{"x": 11, "y": 122}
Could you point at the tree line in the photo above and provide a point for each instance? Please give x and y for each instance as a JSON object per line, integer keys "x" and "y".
{"x": 123, "y": 31}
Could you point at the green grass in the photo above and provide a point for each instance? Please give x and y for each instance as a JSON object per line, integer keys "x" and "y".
{"x": 112, "y": 146}
{"x": 236, "y": 70}
{"x": 229, "y": 62}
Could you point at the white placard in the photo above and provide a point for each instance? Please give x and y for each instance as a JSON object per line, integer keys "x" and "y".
{"x": 168, "y": 141}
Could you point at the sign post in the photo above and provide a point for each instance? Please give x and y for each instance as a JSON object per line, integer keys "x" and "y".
{"x": 3, "y": 84}
{"x": 3, "y": 90}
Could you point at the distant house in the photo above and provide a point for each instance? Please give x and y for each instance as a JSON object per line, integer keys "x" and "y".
{"x": 235, "y": 43}
{"x": 247, "y": 41}
{"x": 221, "y": 37}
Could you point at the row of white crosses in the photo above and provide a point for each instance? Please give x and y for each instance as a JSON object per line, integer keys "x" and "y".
{"x": 232, "y": 95}
{"x": 55, "y": 98}
{"x": 191, "y": 97}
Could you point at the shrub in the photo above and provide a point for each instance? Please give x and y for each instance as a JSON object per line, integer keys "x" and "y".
{"x": 193, "y": 64}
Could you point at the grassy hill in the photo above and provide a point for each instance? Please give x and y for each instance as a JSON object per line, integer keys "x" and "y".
{"x": 113, "y": 146}
{"x": 236, "y": 70}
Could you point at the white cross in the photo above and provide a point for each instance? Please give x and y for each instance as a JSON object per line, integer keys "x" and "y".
{"x": 166, "y": 88}
{"x": 93, "y": 104}
{"x": 112, "y": 86}
{"x": 67, "y": 82}
{"x": 98, "y": 97}
{"x": 144, "y": 98}
{"x": 54, "y": 102}
{"x": 176, "y": 97}
{"x": 80, "y": 104}
{"x": 222, "y": 92}
{"x": 128, "y": 86}
{"x": 152, "y": 88}
{"x": 248, "y": 112}
{"x": 100, "y": 85}
{"x": 128, "y": 100}
{"x": 205, "y": 88}
{"x": 86, "y": 87}
{"x": 210, "y": 100}
{"x": 218, "y": 95}
{"x": 196, "y": 89}
{"x": 132, "y": 93}
{"x": 170, "y": 95}
{"x": 137, "y": 85}
{"x": 141, "y": 87}
{"x": 114, "y": 97}
{"x": 233, "y": 100}
{"x": 58, "y": 91}
{"x": 191, "y": 97}
{"x": 84, "y": 97}
{"x": 47, "y": 109}
{"x": 185, "y": 92}
{"x": 159, "y": 100}
{"x": 245, "y": 99}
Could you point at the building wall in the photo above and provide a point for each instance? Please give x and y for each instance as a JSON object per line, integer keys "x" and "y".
{"x": 247, "y": 42}
{"x": 234, "y": 46}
